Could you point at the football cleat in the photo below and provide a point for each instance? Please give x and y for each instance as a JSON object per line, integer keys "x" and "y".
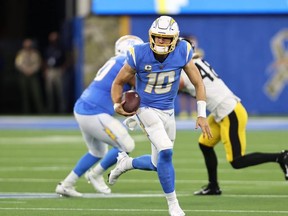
{"x": 97, "y": 182}
{"x": 283, "y": 162}
{"x": 67, "y": 190}
{"x": 175, "y": 210}
{"x": 209, "y": 190}
{"x": 121, "y": 167}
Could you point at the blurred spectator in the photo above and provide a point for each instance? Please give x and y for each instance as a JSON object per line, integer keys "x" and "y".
{"x": 54, "y": 68}
{"x": 28, "y": 62}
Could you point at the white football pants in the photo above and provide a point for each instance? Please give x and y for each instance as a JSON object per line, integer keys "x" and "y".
{"x": 160, "y": 128}
{"x": 102, "y": 130}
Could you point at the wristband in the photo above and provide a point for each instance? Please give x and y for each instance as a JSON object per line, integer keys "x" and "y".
{"x": 201, "y": 108}
{"x": 116, "y": 105}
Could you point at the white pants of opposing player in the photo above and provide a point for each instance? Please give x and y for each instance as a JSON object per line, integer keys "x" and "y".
{"x": 102, "y": 130}
{"x": 160, "y": 127}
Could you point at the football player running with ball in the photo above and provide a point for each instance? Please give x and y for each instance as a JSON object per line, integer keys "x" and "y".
{"x": 227, "y": 120}
{"x": 157, "y": 66}
{"x": 94, "y": 114}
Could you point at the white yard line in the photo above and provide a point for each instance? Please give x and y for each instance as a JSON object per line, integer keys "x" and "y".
{"x": 146, "y": 210}
{"x": 53, "y": 139}
{"x": 123, "y": 195}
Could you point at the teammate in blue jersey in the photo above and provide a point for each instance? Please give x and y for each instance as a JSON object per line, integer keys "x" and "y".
{"x": 93, "y": 112}
{"x": 157, "y": 66}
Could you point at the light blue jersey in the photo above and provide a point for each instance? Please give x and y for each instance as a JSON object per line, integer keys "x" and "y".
{"x": 96, "y": 98}
{"x": 157, "y": 82}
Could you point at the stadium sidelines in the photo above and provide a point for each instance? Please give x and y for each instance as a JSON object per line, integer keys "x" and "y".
{"x": 69, "y": 123}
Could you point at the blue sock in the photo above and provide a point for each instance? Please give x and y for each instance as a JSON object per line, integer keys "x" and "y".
{"x": 165, "y": 170}
{"x": 143, "y": 163}
{"x": 85, "y": 163}
{"x": 110, "y": 158}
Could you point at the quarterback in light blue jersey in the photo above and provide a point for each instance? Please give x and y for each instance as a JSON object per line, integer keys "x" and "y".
{"x": 93, "y": 112}
{"x": 157, "y": 82}
{"x": 157, "y": 66}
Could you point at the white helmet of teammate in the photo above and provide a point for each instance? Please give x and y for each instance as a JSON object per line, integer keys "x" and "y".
{"x": 123, "y": 44}
{"x": 164, "y": 26}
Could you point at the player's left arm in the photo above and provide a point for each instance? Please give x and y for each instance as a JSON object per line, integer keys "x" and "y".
{"x": 194, "y": 76}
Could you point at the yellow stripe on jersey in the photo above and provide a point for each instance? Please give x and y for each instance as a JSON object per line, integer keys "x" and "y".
{"x": 132, "y": 52}
{"x": 189, "y": 47}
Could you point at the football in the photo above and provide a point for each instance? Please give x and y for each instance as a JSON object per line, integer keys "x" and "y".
{"x": 132, "y": 101}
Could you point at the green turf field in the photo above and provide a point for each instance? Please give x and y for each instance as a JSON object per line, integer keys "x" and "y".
{"x": 32, "y": 162}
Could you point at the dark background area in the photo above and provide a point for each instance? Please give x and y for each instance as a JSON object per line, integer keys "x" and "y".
{"x": 31, "y": 18}
{"x": 28, "y": 18}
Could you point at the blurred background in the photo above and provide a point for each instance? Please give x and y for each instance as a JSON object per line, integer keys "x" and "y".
{"x": 245, "y": 41}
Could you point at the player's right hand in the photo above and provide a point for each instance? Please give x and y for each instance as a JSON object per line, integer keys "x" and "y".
{"x": 118, "y": 107}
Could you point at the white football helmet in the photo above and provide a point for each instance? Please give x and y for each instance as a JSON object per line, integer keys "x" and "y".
{"x": 164, "y": 26}
{"x": 123, "y": 44}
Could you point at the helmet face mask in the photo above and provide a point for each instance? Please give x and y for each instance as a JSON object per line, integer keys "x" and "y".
{"x": 164, "y": 27}
{"x": 124, "y": 43}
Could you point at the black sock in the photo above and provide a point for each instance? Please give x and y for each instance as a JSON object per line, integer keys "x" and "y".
{"x": 211, "y": 163}
{"x": 254, "y": 159}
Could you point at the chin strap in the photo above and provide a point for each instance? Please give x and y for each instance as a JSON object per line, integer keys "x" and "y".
{"x": 161, "y": 49}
